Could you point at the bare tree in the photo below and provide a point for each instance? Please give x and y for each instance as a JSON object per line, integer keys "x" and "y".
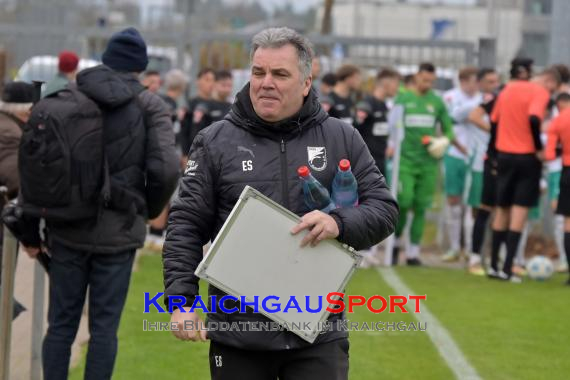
{"x": 327, "y": 17}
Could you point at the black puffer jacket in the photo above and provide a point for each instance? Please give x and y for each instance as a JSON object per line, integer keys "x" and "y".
{"x": 143, "y": 164}
{"x": 217, "y": 175}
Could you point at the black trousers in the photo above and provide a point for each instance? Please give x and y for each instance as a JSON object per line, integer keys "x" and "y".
{"x": 323, "y": 361}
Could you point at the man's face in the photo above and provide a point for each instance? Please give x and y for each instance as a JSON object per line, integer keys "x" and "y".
{"x": 152, "y": 82}
{"x": 562, "y": 105}
{"x": 354, "y": 81}
{"x": 206, "y": 84}
{"x": 277, "y": 88}
{"x": 24, "y": 115}
{"x": 325, "y": 89}
{"x": 224, "y": 88}
{"x": 391, "y": 86}
{"x": 316, "y": 68}
{"x": 469, "y": 85}
{"x": 424, "y": 81}
{"x": 489, "y": 83}
{"x": 551, "y": 84}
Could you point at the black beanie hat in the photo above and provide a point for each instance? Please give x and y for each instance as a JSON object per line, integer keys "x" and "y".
{"x": 18, "y": 92}
{"x": 126, "y": 51}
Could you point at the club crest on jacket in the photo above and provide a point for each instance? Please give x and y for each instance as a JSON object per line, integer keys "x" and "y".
{"x": 317, "y": 157}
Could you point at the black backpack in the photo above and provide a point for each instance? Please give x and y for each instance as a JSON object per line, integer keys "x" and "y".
{"x": 64, "y": 174}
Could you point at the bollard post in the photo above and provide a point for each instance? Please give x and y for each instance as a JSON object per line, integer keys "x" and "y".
{"x": 37, "y": 321}
{"x": 9, "y": 250}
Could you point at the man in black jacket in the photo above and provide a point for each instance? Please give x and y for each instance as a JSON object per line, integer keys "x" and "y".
{"x": 275, "y": 125}
{"x": 205, "y": 84}
{"x": 372, "y": 115}
{"x": 209, "y": 111}
{"x": 99, "y": 252}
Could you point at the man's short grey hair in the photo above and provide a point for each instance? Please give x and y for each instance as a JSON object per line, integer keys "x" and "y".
{"x": 277, "y": 37}
{"x": 175, "y": 79}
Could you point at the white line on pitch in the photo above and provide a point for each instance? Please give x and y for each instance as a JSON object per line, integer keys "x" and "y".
{"x": 442, "y": 340}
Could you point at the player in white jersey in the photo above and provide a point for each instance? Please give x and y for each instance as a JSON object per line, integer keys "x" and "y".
{"x": 460, "y": 102}
{"x": 554, "y": 173}
{"x": 478, "y": 129}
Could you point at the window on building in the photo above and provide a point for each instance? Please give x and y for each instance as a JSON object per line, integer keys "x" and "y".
{"x": 538, "y": 7}
{"x": 536, "y": 45}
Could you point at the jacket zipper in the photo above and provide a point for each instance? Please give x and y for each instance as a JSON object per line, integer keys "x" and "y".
{"x": 284, "y": 179}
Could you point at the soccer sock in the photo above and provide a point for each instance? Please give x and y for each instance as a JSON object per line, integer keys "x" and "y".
{"x": 155, "y": 231}
{"x": 468, "y": 228}
{"x": 559, "y": 236}
{"x": 396, "y": 250}
{"x": 398, "y": 242}
{"x": 513, "y": 240}
{"x": 479, "y": 230}
{"x": 474, "y": 259}
{"x": 567, "y": 245}
{"x": 454, "y": 227}
{"x": 413, "y": 251}
{"x": 519, "y": 258}
{"x": 498, "y": 239}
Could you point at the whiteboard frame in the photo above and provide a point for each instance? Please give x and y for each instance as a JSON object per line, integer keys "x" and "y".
{"x": 217, "y": 248}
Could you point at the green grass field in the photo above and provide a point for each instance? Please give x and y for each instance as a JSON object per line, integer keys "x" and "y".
{"x": 506, "y": 331}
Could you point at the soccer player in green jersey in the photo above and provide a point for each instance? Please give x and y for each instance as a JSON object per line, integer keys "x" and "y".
{"x": 421, "y": 110}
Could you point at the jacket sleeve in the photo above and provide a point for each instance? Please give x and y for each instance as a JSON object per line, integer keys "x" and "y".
{"x": 377, "y": 213}
{"x": 552, "y": 141}
{"x": 9, "y": 175}
{"x": 162, "y": 164}
{"x": 190, "y": 224}
{"x": 460, "y": 113}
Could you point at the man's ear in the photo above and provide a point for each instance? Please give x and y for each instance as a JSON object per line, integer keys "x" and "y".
{"x": 307, "y": 85}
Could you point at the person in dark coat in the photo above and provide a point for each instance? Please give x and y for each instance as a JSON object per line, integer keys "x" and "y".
{"x": 98, "y": 253}
{"x": 275, "y": 125}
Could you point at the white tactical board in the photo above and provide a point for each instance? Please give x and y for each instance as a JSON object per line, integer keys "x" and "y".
{"x": 255, "y": 255}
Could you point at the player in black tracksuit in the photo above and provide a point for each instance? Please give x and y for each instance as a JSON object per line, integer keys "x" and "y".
{"x": 205, "y": 82}
{"x": 341, "y": 97}
{"x": 209, "y": 111}
{"x": 372, "y": 115}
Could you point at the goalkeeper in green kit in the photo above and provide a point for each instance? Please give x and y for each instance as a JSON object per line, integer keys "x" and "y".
{"x": 420, "y": 110}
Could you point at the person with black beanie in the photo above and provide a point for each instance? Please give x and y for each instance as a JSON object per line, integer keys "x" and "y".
{"x": 97, "y": 252}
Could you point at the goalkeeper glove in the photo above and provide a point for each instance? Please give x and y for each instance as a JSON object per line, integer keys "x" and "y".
{"x": 436, "y": 146}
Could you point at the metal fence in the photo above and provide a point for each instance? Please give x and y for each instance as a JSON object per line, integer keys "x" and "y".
{"x": 190, "y": 50}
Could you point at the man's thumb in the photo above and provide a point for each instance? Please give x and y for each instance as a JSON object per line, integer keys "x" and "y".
{"x": 203, "y": 335}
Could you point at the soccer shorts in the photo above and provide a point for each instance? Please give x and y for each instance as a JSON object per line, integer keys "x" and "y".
{"x": 554, "y": 185}
{"x": 476, "y": 189}
{"x": 455, "y": 175}
{"x": 518, "y": 181}
{"x": 564, "y": 198}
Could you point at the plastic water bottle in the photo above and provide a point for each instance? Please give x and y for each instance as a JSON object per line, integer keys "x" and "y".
{"x": 345, "y": 187}
{"x": 315, "y": 194}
